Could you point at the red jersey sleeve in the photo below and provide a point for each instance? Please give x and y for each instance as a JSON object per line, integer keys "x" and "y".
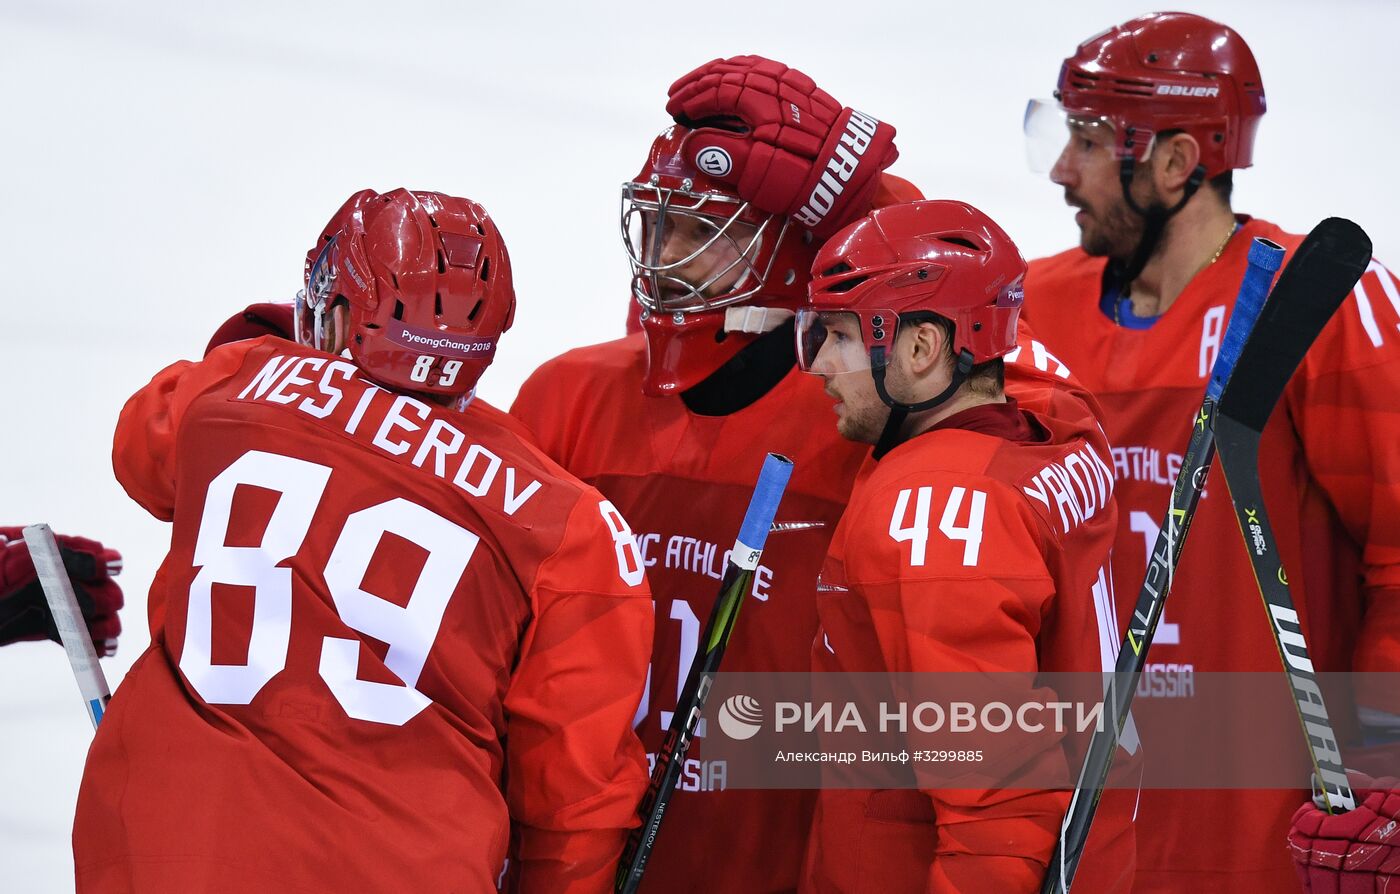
{"x": 143, "y": 447}
{"x": 952, "y": 568}
{"x": 576, "y": 771}
{"x": 1343, "y": 404}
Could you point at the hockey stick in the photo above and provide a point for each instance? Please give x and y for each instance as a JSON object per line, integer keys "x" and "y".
{"x": 1334, "y": 256}
{"x": 68, "y": 618}
{"x": 1264, "y": 259}
{"x": 738, "y": 577}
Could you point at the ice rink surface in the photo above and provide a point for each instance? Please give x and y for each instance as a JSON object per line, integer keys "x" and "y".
{"x": 164, "y": 164}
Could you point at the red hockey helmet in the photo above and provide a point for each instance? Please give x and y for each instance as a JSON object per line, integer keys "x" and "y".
{"x": 690, "y": 288}
{"x": 428, "y": 284}
{"x": 753, "y": 264}
{"x": 908, "y": 262}
{"x": 1159, "y": 72}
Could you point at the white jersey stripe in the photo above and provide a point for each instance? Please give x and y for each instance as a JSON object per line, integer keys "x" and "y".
{"x": 1368, "y": 316}
{"x": 1387, "y": 281}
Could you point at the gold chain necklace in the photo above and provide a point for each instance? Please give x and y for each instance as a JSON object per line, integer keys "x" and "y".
{"x": 1128, "y": 289}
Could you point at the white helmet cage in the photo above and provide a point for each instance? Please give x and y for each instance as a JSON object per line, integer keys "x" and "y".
{"x": 658, "y": 287}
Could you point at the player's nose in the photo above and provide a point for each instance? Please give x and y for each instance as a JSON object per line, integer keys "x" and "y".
{"x": 1063, "y": 172}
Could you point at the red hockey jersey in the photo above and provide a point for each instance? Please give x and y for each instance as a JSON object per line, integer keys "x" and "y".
{"x": 683, "y": 480}
{"x": 386, "y": 637}
{"x": 1330, "y": 470}
{"x": 973, "y": 547}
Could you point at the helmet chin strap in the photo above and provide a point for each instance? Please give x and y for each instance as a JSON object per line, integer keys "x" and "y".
{"x": 1155, "y": 217}
{"x": 890, "y": 435}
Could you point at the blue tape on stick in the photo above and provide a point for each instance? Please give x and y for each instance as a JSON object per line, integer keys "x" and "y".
{"x": 767, "y": 493}
{"x": 1265, "y": 257}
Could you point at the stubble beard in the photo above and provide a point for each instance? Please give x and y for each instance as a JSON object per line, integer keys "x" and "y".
{"x": 1113, "y": 234}
{"x": 863, "y": 425}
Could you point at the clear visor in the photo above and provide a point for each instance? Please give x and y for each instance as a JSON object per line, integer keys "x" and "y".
{"x": 1051, "y": 132}
{"x": 831, "y": 342}
{"x": 691, "y": 251}
{"x": 311, "y": 302}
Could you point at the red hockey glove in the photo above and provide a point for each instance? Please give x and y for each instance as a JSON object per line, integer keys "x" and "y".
{"x": 256, "y": 320}
{"x": 1357, "y": 852}
{"x": 24, "y": 613}
{"x": 788, "y": 147}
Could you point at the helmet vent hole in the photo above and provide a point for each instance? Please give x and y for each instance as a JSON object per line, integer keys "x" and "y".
{"x": 442, "y": 262}
{"x": 433, "y": 220}
{"x": 962, "y": 242}
{"x": 485, "y": 269}
{"x": 437, "y": 303}
{"x": 837, "y": 269}
{"x": 790, "y": 278}
{"x": 398, "y": 310}
{"x": 479, "y": 230}
{"x": 394, "y": 278}
{"x": 476, "y": 309}
{"x": 846, "y": 285}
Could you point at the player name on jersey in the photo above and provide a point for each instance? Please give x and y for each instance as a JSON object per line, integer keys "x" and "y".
{"x": 441, "y": 448}
{"x": 1077, "y": 487}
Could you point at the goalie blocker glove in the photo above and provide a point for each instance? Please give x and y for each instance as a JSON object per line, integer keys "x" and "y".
{"x": 783, "y": 142}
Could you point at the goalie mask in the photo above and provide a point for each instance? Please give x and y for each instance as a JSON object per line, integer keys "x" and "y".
{"x": 709, "y": 270}
{"x": 427, "y": 282}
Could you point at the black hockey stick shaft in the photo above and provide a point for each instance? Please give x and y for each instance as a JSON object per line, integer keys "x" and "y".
{"x": 1342, "y": 252}
{"x": 1264, "y": 260}
{"x": 735, "y": 585}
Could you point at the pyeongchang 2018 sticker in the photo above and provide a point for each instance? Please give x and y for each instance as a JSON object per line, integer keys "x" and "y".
{"x": 463, "y": 346}
{"x": 714, "y": 161}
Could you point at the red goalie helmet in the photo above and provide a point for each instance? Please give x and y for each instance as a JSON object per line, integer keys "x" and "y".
{"x": 742, "y": 271}
{"x": 730, "y": 253}
{"x": 428, "y": 284}
{"x": 914, "y": 260}
{"x": 1160, "y": 72}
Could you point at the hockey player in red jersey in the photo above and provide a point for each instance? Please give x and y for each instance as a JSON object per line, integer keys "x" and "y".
{"x": 912, "y": 310}
{"x": 673, "y": 424}
{"x": 390, "y": 639}
{"x": 1160, "y": 111}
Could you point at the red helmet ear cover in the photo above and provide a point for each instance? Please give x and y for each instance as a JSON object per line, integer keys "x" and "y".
{"x": 1171, "y": 71}
{"x": 940, "y": 257}
{"x": 428, "y": 285}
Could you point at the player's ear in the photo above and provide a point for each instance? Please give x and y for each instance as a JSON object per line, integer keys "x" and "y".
{"x": 1173, "y": 160}
{"x": 926, "y": 347}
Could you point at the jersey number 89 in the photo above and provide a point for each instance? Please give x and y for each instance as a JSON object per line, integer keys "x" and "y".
{"x": 409, "y": 630}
